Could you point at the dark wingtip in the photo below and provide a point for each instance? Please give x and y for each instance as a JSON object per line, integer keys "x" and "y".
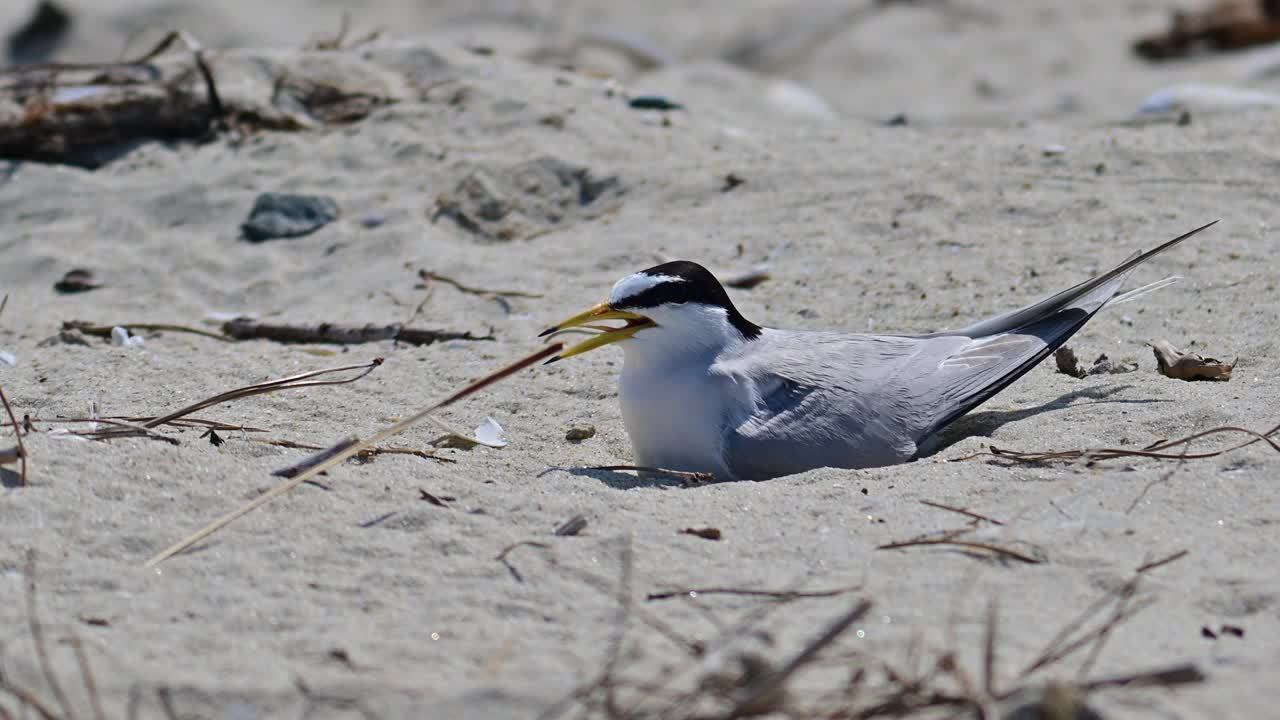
{"x": 548, "y": 331}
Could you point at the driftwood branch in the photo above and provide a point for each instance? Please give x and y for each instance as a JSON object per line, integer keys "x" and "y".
{"x": 65, "y": 111}
{"x": 247, "y": 329}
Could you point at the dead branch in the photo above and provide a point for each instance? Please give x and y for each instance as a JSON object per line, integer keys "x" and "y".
{"x": 112, "y": 102}
{"x": 351, "y": 450}
{"x": 248, "y": 329}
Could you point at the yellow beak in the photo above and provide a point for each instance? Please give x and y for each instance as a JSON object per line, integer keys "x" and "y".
{"x": 635, "y": 323}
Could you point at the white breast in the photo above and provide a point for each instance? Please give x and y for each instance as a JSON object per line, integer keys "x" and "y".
{"x": 675, "y": 415}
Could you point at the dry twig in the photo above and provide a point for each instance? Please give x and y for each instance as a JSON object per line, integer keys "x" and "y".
{"x": 20, "y": 452}
{"x": 1152, "y": 451}
{"x": 968, "y": 544}
{"x": 429, "y": 276}
{"x": 351, "y": 450}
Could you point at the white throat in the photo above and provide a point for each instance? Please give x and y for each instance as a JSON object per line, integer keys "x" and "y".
{"x": 675, "y": 408}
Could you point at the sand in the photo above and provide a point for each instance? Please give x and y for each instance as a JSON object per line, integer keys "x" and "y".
{"x": 378, "y": 602}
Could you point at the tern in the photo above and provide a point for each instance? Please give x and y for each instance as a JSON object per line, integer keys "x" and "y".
{"x": 705, "y": 390}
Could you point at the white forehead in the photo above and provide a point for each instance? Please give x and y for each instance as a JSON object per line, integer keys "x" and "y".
{"x": 634, "y": 284}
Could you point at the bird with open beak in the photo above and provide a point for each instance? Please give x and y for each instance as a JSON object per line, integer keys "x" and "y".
{"x": 703, "y": 389}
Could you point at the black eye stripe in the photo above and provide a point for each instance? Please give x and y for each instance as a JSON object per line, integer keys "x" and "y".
{"x": 672, "y": 291}
{"x": 690, "y": 282}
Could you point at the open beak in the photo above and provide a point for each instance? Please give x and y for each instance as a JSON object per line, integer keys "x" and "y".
{"x": 634, "y": 324}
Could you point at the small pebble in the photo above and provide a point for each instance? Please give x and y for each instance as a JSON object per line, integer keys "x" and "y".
{"x": 652, "y": 102}
{"x": 372, "y": 220}
{"x": 76, "y": 281}
{"x": 1053, "y": 149}
{"x": 578, "y": 434}
{"x": 278, "y": 215}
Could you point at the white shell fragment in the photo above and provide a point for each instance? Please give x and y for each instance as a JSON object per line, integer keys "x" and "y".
{"x": 490, "y": 433}
{"x": 8, "y": 358}
{"x": 120, "y": 337}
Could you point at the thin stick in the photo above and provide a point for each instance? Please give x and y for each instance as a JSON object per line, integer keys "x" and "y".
{"x": 374, "y": 439}
{"x": 429, "y": 275}
{"x": 776, "y": 594}
{"x": 1154, "y": 451}
{"x": 165, "y": 696}
{"x": 30, "y": 700}
{"x": 288, "y": 383}
{"x": 86, "y": 674}
{"x": 1177, "y": 675}
{"x": 3, "y": 303}
{"x": 961, "y": 511}
{"x": 1006, "y": 552}
{"x": 105, "y": 330}
{"x": 1147, "y": 567}
{"x": 1055, "y": 650}
{"x": 37, "y": 639}
{"x": 694, "y": 477}
{"x": 17, "y": 432}
{"x": 989, "y": 649}
{"x": 366, "y": 453}
{"x": 773, "y": 681}
{"x": 120, "y": 429}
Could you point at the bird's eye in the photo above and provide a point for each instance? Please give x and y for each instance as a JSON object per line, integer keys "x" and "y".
{"x": 677, "y": 293}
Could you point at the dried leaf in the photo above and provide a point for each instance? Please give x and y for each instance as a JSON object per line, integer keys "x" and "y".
{"x": 1182, "y": 365}
{"x": 1069, "y": 364}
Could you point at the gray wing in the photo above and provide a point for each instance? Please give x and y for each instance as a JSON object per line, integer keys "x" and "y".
{"x": 834, "y": 400}
{"x": 827, "y": 400}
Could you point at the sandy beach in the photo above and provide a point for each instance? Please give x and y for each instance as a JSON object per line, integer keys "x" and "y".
{"x": 1016, "y": 168}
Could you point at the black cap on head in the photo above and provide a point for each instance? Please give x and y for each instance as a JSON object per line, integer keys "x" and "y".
{"x": 682, "y": 281}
